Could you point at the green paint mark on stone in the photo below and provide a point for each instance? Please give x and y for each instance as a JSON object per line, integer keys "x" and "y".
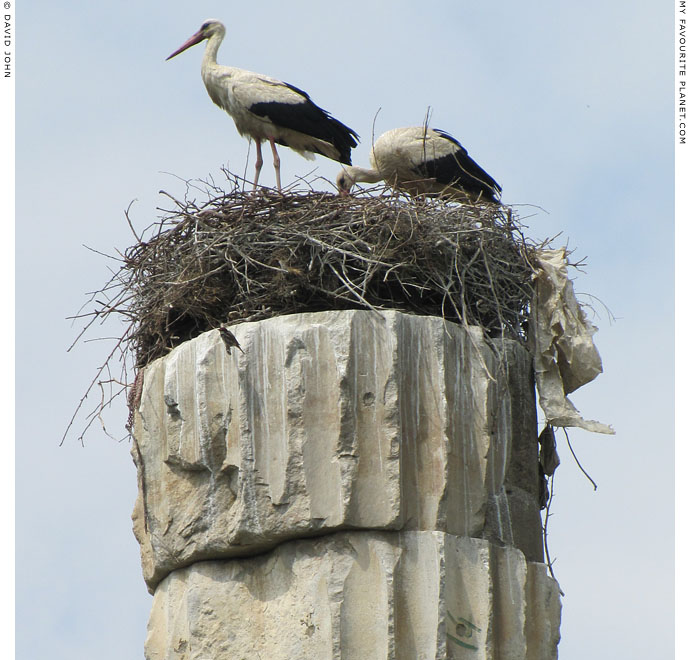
{"x": 459, "y": 643}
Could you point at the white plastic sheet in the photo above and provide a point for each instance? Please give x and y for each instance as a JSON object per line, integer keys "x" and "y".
{"x": 565, "y": 356}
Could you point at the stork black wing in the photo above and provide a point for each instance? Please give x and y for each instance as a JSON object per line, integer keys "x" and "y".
{"x": 308, "y": 118}
{"x": 458, "y": 168}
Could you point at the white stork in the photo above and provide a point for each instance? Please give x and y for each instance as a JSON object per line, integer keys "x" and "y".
{"x": 423, "y": 161}
{"x": 264, "y": 108}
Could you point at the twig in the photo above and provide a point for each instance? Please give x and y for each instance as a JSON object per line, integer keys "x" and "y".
{"x": 572, "y": 451}
{"x": 550, "y": 563}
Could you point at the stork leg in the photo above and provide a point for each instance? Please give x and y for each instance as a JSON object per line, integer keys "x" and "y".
{"x": 276, "y": 161}
{"x": 259, "y": 163}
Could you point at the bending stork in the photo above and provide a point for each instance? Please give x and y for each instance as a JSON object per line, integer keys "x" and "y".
{"x": 423, "y": 161}
{"x": 264, "y": 108}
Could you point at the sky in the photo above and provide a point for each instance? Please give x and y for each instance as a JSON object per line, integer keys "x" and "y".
{"x": 569, "y": 106}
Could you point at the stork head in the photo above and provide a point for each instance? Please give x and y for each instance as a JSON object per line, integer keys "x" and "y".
{"x": 344, "y": 181}
{"x": 209, "y": 28}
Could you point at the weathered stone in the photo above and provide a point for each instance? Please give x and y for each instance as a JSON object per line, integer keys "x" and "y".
{"x": 360, "y": 595}
{"x": 332, "y": 421}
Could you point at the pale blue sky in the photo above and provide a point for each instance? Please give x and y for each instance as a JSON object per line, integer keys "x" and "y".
{"x": 568, "y": 106}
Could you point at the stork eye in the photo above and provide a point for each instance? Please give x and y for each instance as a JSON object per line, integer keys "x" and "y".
{"x": 205, "y": 26}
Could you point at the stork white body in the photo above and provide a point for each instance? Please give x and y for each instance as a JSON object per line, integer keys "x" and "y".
{"x": 423, "y": 161}
{"x": 264, "y": 108}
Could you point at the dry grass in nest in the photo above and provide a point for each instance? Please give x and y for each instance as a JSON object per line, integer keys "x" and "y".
{"x": 243, "y": 256}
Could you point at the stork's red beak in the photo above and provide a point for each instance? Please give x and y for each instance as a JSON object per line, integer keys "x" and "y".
{"x": 194, "y": 39}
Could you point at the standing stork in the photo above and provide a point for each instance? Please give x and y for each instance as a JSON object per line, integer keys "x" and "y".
{"x": 423, "y": 161}
{"x": 264, "y": 108}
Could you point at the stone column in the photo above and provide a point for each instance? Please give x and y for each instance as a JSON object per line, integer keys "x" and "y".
{"x": 354, "y": 485}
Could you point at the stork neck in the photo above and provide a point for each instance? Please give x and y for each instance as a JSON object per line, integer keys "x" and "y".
{"x": 364, "y": 175}
{"x": 212, "y": 46}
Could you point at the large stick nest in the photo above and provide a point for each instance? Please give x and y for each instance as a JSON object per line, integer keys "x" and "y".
{"x": 240, "y": 256}
{"x": 245, "y": 256}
